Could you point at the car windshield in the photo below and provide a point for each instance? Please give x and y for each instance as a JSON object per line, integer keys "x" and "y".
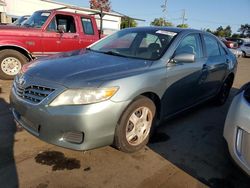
{"x": 132, "y": 43}
{"x": 20, "y": 20}
{"x": 37, "y": 20}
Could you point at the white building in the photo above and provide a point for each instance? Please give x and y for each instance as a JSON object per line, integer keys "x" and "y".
{"x": 15, "y": 8}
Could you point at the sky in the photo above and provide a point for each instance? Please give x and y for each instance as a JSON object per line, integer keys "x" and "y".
{"x": 200, "y": 14}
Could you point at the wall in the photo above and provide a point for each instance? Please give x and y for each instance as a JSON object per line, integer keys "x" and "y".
{"x": 16, "y": 8}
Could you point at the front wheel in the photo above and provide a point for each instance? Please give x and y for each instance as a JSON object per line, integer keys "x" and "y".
{"x": 244, "y": 54}
{"x": 11, "y": 63}
{"x": 133, "y": 129}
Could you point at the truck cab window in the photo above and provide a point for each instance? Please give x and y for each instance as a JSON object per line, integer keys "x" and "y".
{"x": 62, "y": 21}
{"x": 87, "y": 26}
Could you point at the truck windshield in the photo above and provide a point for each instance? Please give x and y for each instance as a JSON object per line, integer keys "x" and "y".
{"x": 140, "y": 44}
{"x": 37, "y": 20}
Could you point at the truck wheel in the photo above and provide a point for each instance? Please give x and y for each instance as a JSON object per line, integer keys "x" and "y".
{"x": 133, "y": 129}
{"x": 11, "y": 63}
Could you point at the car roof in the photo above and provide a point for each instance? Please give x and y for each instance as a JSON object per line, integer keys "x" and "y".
{"x": 171, "y": 29}
{"x": 63, "y": 12}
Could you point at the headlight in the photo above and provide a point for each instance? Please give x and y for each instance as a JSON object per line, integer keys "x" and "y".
{"x": 84, "y": 96}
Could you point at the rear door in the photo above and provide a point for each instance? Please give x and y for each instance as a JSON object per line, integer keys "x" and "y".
{"x": 88, "y": 31}
{"x": 215, "y": 67}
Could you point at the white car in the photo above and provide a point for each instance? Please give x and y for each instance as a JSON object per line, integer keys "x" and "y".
{"x": 237, "y": 52}
{"x": 245, "y": 48}
{"x": 237, "y": 128}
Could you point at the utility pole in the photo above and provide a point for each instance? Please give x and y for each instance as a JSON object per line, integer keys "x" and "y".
{"x": 183, "y": 16}
{"x": 164, "y": 10}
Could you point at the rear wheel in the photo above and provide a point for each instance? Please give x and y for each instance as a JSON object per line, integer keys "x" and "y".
{"x": 11, "y": 63}
{"x": 224, "y": 92}
{"x": 133, "y": 129}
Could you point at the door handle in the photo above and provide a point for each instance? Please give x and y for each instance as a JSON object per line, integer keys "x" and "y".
{"x": 76, "y": 36}
{"x": 204, "y": 74}
{"x": 204, "y": 68}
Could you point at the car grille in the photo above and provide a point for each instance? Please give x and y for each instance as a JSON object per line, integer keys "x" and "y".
{"x": 33, "y": 93}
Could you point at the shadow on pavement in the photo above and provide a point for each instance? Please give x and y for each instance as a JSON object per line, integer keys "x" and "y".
{"x": 8, "y": 173}
{"x": 194, "y": 142}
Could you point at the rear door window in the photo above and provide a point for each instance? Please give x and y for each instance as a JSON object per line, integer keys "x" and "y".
{"x": 212, "y": 46}
{"x": 87, "y": 26}
{"x": 222, "y": 50}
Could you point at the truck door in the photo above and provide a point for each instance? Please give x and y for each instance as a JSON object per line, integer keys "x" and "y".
{"x": 51, "y": 39}
{"x": 69, "y": 33}
{"x": 61, "y": 35}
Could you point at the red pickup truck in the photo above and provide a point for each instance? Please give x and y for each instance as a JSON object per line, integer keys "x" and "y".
{"x": 44, "y": 33}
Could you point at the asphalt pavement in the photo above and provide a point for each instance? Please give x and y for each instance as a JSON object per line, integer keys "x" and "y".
{"x": 188, "y": 151}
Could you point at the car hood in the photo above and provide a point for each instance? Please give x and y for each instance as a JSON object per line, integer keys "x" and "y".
{"x": 85, "y": 68}
{"x": 16, "y": 28}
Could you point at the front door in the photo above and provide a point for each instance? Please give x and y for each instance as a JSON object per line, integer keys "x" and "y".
{"x": 184, "y": 79}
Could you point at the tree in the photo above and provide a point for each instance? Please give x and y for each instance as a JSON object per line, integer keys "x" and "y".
{"x": 228, "y": 31}
{"x": 209, "y": 30}
{"x": 128, "y": 22}
{"x": 236, "y": 35}
{"x": 183, "y": 25}
{"x": 98, "y": 4}
{"x": 245, "y": 30}
{"x": 160, "y": 22}
{"x": 220, "y": 32}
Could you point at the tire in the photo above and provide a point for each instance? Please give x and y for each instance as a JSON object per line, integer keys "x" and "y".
{"x": 244, "y": 54}
{"x": 224, "y": 92}
{"x": 133, "y": 131}
{"x": 11, "y": 62}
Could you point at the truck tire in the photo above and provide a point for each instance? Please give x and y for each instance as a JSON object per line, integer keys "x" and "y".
{"x": 11, "y": 62}
{"x": 133, "y": 129}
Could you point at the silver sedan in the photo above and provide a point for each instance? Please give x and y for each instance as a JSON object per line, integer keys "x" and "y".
{"x": 117, "y": 89}
{"x": 237, "y": 128}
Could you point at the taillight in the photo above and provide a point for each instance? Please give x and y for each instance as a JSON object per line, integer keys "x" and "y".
{"x": 232, "y": 45}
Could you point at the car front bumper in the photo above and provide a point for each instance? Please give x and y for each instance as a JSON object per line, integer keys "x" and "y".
{"x": 237, "y": 132}
{"x": 80, "y": 127}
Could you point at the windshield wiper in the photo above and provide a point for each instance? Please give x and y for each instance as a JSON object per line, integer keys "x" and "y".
{"x": 114, "y": 53}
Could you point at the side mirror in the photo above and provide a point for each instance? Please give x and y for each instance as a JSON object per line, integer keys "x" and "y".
{"x": 61, "y": 29}
{"x": 184, "y": 57}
